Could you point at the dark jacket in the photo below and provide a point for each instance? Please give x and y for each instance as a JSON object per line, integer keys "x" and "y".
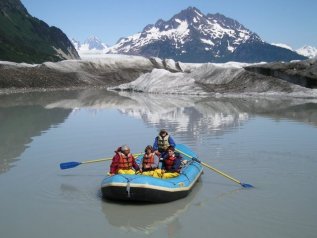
{"x": 176, "y": 163}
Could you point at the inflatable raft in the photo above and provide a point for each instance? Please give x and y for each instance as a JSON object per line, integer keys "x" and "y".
{"x": 149, "y": 189}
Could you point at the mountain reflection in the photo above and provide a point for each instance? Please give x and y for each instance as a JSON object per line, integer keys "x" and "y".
{"x": 181, "y": 114}
{"x": 24, "y": 116}
{"x": 192, "y": 115}
{"x": 21, "y": 119}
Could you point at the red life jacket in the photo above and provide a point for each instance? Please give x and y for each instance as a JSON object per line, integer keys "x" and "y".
{"x": 148, "y": 160}
{"x": 169, "y": 162}
{"x": 125, "y": 162}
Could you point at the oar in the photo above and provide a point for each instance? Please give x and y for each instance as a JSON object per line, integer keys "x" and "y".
{"x": 73, "y": 164}
{"x": 245, "y": 185}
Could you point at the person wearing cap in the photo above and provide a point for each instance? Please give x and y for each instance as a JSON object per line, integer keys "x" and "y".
{"x": 149, "y": 161}
{"x": 123, "y": 162}
{"x": 162, "y": 142}
{"x": 171, "y": 165}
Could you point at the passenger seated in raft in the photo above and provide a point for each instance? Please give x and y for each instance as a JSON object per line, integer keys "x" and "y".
{"x": 123, "y": 162}
{"x": 162, "y": 142}
{"x": 149, "y": 162}
{"x": 171, "y": 165}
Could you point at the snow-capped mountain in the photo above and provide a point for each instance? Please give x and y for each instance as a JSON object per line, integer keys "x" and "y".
{"x": 92, "y": 47}
{"x": 308, "y": 51}
{"x": 94, "y": 43}
{"x": 191, "y": 36}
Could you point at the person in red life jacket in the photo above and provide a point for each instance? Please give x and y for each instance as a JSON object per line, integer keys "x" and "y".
{"x": 149, "y": 161}
{"x": 162, "y": 142}
{"x": 171, "y": 165}
{"x": 123, "y": 162}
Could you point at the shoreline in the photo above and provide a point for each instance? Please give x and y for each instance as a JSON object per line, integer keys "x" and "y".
{"x": 9, "y": 91}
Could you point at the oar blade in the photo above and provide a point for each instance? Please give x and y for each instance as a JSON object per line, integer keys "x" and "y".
{"x": 245, "y": 185}
{"x": 69, "y": 165}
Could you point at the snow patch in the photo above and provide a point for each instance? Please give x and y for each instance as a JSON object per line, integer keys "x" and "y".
{"x": 198, "y": 14}
{"x": 208, "y": 42}
{"x": 308, "y": 51}
{"x": 282, "y": 46}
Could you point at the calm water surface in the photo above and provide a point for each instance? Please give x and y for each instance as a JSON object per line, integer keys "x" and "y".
{"x": 270, "y": 143}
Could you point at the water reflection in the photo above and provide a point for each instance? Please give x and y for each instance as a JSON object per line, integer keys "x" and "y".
{"x": 192, "y": 115}
{"x": 19, "y": 124}
{"x": 23, "y": 116}
{"x": 147, "y": 218}
{"x": 182, "y": 114}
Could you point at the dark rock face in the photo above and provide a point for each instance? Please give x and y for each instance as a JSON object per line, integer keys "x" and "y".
{"x": 262, "y": 51}
{"x": 191, "y": 36}
{"x": 303, "y": 73}
{"x": 24, "y": 38}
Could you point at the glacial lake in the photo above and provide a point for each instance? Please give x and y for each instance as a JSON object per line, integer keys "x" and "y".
{"x": 270, "y": 143}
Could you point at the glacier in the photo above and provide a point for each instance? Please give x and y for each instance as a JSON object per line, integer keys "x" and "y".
{"x": 163, "y": 76}
{"x": 214, "y": 79}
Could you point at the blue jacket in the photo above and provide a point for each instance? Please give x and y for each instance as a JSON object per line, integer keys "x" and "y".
{"x": 170, "y": 141}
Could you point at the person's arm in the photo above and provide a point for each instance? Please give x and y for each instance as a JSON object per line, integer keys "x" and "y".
{"x": 171, "y": 141}
{"x": 156, "y": 162}
{"x": 163, "y": 162}
{"x": 141, "y": 163}
{"x": 155, "y": 145}
{"x": 114, "y": 164}
{"x": 134, "y": 164}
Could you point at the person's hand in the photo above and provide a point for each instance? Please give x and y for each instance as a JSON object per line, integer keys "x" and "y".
{"x": 110, "y": 174}
{"x": 147, "y": 166}
{"x": 138, "y": 171}
{"x": 184, "y": 162}
{"x": 157, "y": 153}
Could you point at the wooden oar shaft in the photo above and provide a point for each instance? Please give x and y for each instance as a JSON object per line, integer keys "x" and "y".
{"x": 187, "y": 155}
{"x": 96, "y": 160}
{"x": 220, "y": 172}
{"x": 212, "y": 168}
{"x": 104, "y": 159}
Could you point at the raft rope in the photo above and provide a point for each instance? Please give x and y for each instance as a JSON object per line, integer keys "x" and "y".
{"x": 128, "y": 187}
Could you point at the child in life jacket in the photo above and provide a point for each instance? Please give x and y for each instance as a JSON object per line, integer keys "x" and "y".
{"x": 170, "y": 166}
{"x": 149, "y": 162}
{"x": 123, "y": 162}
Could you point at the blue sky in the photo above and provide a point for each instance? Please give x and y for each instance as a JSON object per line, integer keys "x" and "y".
{"x": 291, "y": 22}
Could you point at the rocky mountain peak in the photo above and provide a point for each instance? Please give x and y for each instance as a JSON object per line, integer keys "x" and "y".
{"x": 94, "y": 42}
{"x": 192, "y": 36}
{"x": 189, "y": 14}
{"x": 25, "y": 38}
{"x": 12, "y": 5}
